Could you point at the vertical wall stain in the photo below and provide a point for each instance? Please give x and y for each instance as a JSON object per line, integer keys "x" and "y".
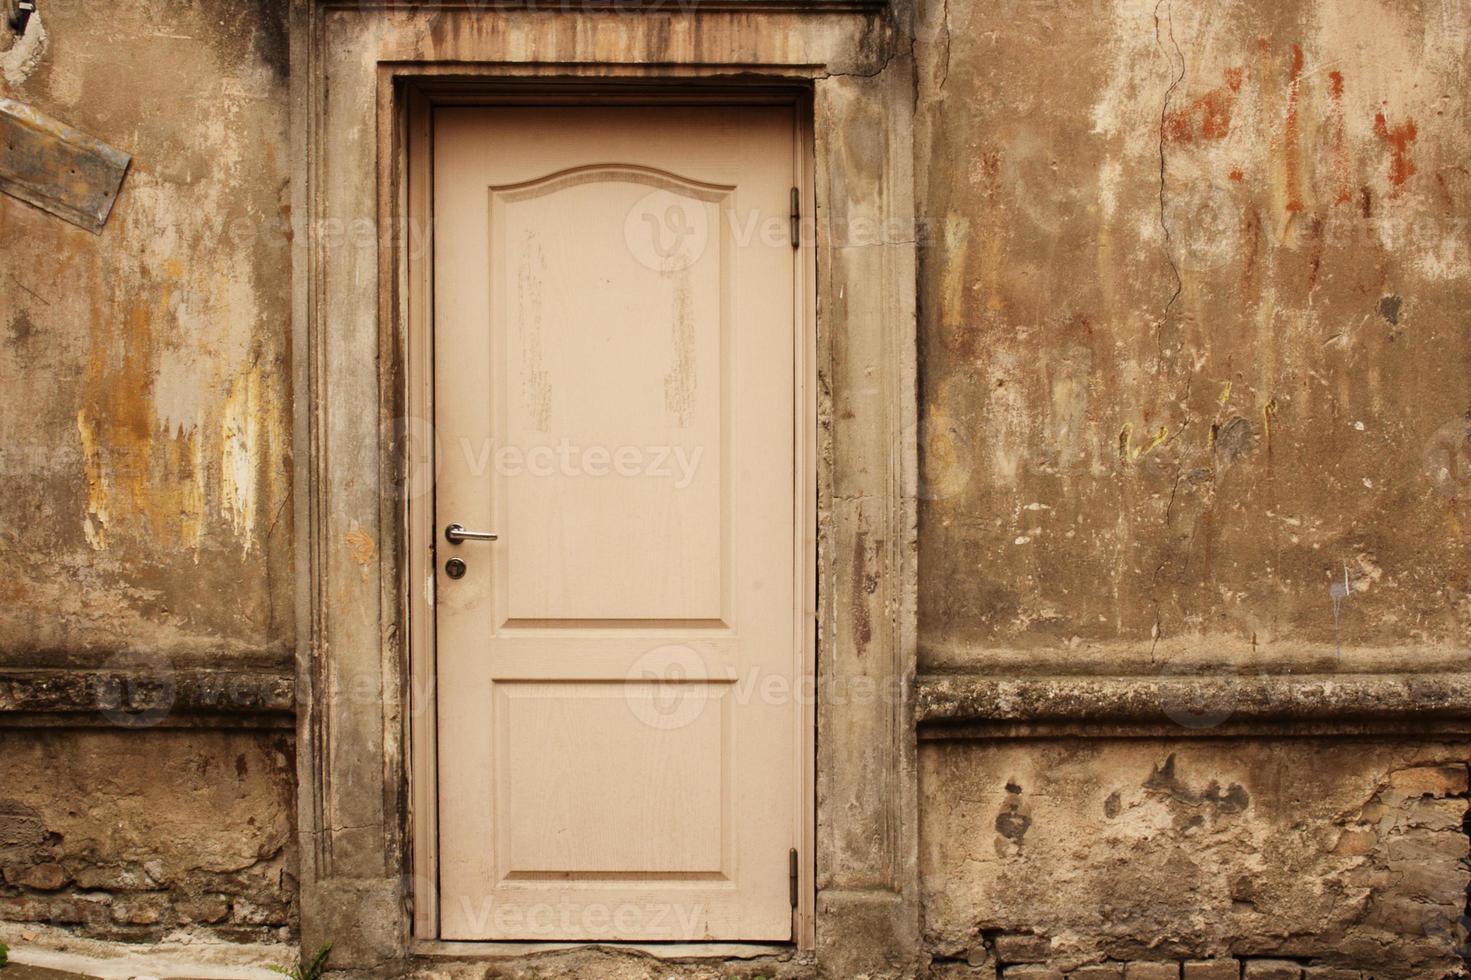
{"x": 1342, "y": 189}
{"x": 536, "y": 383}
{"x": 140, "y": 475}
{"x": 1290, "y": 152}
{"x": 240, "y": 448}
{"x": 679, "y": 382}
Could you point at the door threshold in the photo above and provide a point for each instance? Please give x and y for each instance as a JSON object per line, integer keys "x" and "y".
{"x": 502, "y": 949}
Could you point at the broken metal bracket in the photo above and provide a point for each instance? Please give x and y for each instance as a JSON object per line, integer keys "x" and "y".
{"x": 47, "y": 163}
{"x": 20, "y": 14}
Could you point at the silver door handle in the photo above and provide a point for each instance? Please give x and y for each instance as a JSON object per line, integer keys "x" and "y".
{"x": 454, "y": 534}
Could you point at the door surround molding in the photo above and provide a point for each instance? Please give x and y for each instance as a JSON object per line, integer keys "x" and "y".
{"x": 356, "y": 72}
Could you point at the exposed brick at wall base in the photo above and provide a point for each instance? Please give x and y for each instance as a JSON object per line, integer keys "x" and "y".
{"x": 136, "y": 835}
{"x": 1068, "y": 857}
{"x": 1218, "y": 969}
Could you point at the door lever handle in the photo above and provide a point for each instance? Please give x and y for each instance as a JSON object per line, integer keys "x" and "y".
{"x": 454, "y": 534}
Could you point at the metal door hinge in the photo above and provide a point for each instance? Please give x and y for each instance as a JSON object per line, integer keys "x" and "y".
{"x": 796, "y": 217}
{"x": 794, "y": 875}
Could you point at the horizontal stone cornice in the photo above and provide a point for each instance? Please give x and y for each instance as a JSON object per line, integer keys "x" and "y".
{"x": 158, "y": 698}
{"x": 1199, "y": 705}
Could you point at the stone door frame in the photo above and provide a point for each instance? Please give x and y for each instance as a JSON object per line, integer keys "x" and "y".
{"x": 358, "y": 68}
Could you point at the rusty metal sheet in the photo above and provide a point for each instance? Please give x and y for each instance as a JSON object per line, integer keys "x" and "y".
{"x": 60, "y": 170}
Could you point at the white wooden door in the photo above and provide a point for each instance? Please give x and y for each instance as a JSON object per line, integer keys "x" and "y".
{"x": 619, "y": 747}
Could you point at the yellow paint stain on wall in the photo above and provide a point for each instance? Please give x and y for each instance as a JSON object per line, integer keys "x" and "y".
{"x": 992, "y": 265}
{"x": 360, "y": 546}
{"x": 1269, "y": 416}
{"x": 1157, "y": 440}
{"x": 953, "y": 279}
{"x": 141, "y": 479}
{"x": 1129, "y": 454}
{"x": 240, "y": 447}
{"x": 115, "y": 423}
{"x": 95, "y": 521}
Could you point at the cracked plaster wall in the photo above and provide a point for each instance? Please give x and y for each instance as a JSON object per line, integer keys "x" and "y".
{"x": 1194, "y": 348}
{"x": 146, "y": 445}
{"x": 145, "y": 451}
{"x": 1196, "y": 376}
{"x": 198, "y": 843}
{"x": 1330, "y": 853}
{"x": 1194, "y": 328}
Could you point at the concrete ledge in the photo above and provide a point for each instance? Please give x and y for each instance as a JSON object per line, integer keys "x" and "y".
{"x": 113, "y": 698}
{"x": 1437, "y": 703}
{"x": 646, "y": 7}
{"x": 51, "y": 948}
{"x": 435, "y": 949}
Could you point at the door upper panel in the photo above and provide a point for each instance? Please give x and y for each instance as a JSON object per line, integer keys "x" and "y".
{"x": 611, "y": 293}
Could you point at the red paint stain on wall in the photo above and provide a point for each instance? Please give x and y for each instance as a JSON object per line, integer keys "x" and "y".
{"x": 1342, "y": 193}
{"x": 1207, "y": 115}
{"x": 1401, "y": 167}
{"x": 1315, "y": 251}
{"x": 1289, "y": 135}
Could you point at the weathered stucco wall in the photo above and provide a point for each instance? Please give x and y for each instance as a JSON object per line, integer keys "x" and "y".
{"x": 1195, "y": 348}
{"x": 1193, "y": 287}
{"x": 1335, "y": 853}
{"x": 1194, "y": 327}
{"x": 145, "y": 447}
{"x": 145, "y": 835}
{"x": 145, "y": 451}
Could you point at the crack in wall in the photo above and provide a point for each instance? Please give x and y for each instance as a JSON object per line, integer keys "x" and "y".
{"x": 1464, "y": 946}
{"x": 1164, "y": 111}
